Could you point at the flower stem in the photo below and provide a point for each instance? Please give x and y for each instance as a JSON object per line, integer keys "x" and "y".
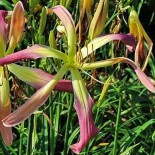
{"x": 21, "y": 140}
{"x": 67, "y": 127}
{"x": 30, "y": 123}
{"x": 29, "y": 139}
{"x": 52, "y": 148}
{"x": 115, "y": 149}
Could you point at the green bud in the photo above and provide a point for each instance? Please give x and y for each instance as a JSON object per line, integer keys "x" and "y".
{"x": 41, "y": 39}
{"x": 52, "y": 40}
{"x": 43, "y": 19}
{"x": 99, "y": 19}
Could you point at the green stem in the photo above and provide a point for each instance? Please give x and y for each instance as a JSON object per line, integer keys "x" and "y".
{"x": 67, "y": 127}
{"x": 29, "y": 139}
{"x": 55, "y": 117}
{"x": 30, "y": 122}
{"x": 115, "y": 149}
{"x": 21, "y": 140}
{"x": 51, "y": 129}
{"x": 44, "y": 147}
{"x": 21, "y": 144}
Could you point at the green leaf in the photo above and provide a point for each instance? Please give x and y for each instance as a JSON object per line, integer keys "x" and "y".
{"x": 127, "y": 151}
{"x": 128, "y": 139}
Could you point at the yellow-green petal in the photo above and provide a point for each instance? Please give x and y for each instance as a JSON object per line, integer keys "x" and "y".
{"x": 68, "y": 22}
{"x": 138, "y": 31}
{"x": 37, "y": 78}
{"x": 34, "y": 102}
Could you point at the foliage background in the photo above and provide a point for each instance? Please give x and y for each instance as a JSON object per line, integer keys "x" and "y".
{"x": 54, "y": 127}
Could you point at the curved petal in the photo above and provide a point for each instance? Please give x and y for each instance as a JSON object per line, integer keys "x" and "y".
{"x": 3, "y": 32}
{"x": 137, "y": 30}
{"x": 5, "y": 108}
{"x": 68, "y": 22}
{"x": 141, "y": 75}
{"x": 83, "y": 106}
{"x": 6, "y": 132}
{"x": 34, "y": 52}
{"x": 34, "y": 102}
{"x": 100, "y": 41}
{"x": 37, "y": 78}
{"x": 87, "y": 127}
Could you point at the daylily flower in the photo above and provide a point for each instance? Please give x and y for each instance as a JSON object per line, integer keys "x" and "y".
{"x": 29, "y": 75}
{"x": 137, "y": 30}
{"x": 14, "y": 36}
{"x": 73, "y": 61}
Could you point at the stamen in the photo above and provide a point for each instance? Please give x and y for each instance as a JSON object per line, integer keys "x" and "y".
{"x": 96, "y": 79}
{"x": 92, "y": 77}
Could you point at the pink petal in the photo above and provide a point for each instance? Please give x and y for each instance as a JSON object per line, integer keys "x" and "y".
{"x": 66, "y": 19}
{"x": 37, "y": 100}
{"x": 23, "y": 112}
{"x": 87, "y": 127}
{"x": 69, "y": 25}
{"x": 34, "y": 52}
{"x": 3, "y": 28}
{"x": 37, "y": 78}
{"x": 3, "y": 24}
{"x": 6, "y": 132}
{"x": 83, "y": 106}
{"x": 141, "y": 75}
{"x": 96, "y": 43}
